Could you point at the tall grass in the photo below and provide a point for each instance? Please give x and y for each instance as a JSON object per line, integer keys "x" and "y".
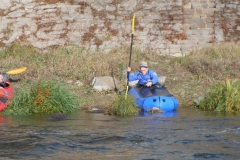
{"x": 70, "y": 62}
{"x": 214, "y": 62}
{"x": 123, "y": 106}
{"x": 223, "y": 96}
{"x": 195, "y": 72}
{"x": 44, "y": 97}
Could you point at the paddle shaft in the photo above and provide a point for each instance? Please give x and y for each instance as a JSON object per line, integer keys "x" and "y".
{"x": 130, "y": 58}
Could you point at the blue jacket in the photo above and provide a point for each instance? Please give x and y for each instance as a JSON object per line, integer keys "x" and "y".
{"x": 144, "y": 79}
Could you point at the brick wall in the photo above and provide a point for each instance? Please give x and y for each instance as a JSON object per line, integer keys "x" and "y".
{"x": 173, "y": 27}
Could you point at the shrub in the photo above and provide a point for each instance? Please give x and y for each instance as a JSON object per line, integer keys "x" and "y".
{"x": 44, "y": 97}
{"x": 123, "y": 106}
{"x": 224, "y": 96}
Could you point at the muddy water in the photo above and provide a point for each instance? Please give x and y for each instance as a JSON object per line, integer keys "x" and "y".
{"x": 186, "y": 134}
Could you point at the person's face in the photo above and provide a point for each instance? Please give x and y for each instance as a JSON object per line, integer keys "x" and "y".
{"x": 143, "y": 70}
{"x": 1, "y": 78}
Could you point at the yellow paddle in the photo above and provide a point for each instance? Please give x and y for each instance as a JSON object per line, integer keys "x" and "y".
{"x": 133, "y": 20}
{"x": 17, "y": 71}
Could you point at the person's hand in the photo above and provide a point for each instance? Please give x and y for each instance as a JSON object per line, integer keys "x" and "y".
{"x": 149, "y": 84}
{"x": 128, "y": 69}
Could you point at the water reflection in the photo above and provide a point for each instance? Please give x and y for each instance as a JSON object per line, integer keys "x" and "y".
{"x": 185, "y": 134}
{"x": 164, "y": 114}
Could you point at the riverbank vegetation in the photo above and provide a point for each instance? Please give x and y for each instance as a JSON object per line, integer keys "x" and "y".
{"x": 44, "y": 97}
{"x": 123, "y": 105}
{"x": 188, "y": 77}
{"x": 223, "y": 96}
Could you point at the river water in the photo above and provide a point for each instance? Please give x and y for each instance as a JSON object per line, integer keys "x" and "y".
{"x": 185, "y": 134}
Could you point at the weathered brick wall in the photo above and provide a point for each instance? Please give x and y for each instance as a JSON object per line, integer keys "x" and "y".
{"x": 227, "y": 20}
{"x": 173, "y": 27}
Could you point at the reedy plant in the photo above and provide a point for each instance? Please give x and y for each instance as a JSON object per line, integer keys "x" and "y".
{"x": 44, "y": 97}
{"x": 223, "y": 96}
{"x": 123, "y": 106}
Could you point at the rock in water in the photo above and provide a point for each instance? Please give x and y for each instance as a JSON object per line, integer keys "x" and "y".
{"x": 57, "y": 117}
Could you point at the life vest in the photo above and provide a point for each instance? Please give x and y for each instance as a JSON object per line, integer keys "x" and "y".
{"x": 6, "y": 94}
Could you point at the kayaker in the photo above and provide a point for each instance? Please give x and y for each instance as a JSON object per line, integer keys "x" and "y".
{"x": 6, "y": 91}
{"x": 145, "y": 76}
{"x": 2, "y": 92}
{"x": 3, "y": 78}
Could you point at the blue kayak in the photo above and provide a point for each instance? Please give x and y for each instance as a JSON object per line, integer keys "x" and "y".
{"x": 156, "y": 96}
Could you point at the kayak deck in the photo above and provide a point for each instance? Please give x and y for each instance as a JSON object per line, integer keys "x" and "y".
{"x": 157, "y": 97}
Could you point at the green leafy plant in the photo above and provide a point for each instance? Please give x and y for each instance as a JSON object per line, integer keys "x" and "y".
{"x": 224, "y": 96}
{"x": 44, "y": 97}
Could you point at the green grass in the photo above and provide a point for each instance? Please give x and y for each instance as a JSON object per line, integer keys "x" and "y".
{"x": 43, "y": 97}
{"x": 223, "y": 96}
{"x": 123, "y": 105}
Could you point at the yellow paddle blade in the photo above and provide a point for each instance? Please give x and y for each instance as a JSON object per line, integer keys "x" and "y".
{"x": 17, "y": 71}
{"x": 126, "y": 93}
{"x": 133, "y": 21}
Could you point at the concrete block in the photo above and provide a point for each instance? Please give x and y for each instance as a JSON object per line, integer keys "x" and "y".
{"x": 183, "y": 42}
{"x": 5, "y": 4}
{"x": 110, "y": 16}
{"x": 219, "y": 32}
{"x": 186, "y": 47}
{"x": 199, "y": 46}
{"x": 209, "y": 12}
{"x": 155, "y": 17}
{"x": 196, "y": 6}
{"x": 161, "y": 45}
{"x": 210, "y": 25}
{"x": 198, "y": 11}
{"x": 187, "y": 11}
{"x": 193, "y": 26}
{"x": 206, "y": 38}
{"x": 211, "y": 1}
{"x": 110, "y": 8}
{"x": 200, "y": 23}
{"x": 174, "y": 50}
{"x": 207, "y": 31}
{"x": 172, "y": 46}
{"x": 195, "y": 31}
{"x": 220, "y": 5}
{"x": 219, "y": 38}
{"x": 189, "y": 21}
{"x": 210, "y": 19}
{"x": 194, "y": 1}
{"x": 211, "y": 5}
{"x": 231, "y": 6}
{"x": 187, "y": 5}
